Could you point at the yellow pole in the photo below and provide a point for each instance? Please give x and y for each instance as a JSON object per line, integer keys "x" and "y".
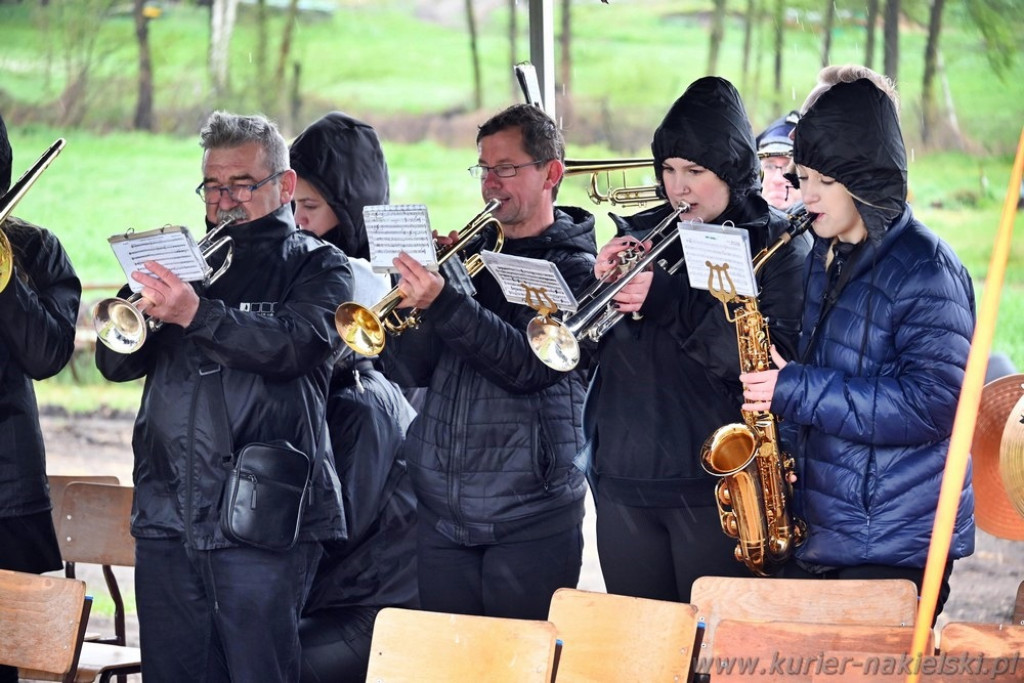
{"x": 966, "y": 417}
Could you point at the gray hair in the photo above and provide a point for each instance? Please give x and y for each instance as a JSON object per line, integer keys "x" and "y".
{"x": 223, "y": 129}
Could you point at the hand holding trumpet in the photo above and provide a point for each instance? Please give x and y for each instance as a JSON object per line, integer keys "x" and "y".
{"x": 419, "y": 286}
{"x": 167, "y": 298}
{"x": 614, "y": 260}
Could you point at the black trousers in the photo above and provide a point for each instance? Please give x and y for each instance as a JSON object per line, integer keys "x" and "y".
{"x": 502, "y": 580}
{"x": 216, "y": 616}
{"x": 336, "y": 644}
{"x": 657, "y": 553}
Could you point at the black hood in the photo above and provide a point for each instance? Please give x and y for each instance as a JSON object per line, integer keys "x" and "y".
{"x": 6, "y": 158}
{"x": 342, "y": 158}
{"x": 708, "y": 126}
{"x": 852, "y": 133}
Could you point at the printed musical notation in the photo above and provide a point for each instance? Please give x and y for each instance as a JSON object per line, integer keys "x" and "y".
{"x": 172, "y": 246}
{"x": 718, "y": 258}
{"x": 394, "y": 228}
{"x": 529, "y": 281}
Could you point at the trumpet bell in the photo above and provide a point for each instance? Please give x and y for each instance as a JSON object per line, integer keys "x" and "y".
{"x": 6, "y": 261}
{"x": 553, "y": 344}
{"x": 120, "y": 326}
{"x": 360, "y": 328}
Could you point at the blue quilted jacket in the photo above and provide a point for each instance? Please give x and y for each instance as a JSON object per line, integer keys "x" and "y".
{"x": 871, "y": 399}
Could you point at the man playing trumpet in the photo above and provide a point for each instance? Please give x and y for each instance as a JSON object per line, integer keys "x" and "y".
{"x": 500, "y": 502}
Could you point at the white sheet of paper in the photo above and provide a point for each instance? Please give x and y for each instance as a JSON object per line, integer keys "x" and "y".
{"x": 523, "y": 280}
{"x": 172, "y": 246}
{"x": 393, "y": 228}
{"x": 718, "y": 256}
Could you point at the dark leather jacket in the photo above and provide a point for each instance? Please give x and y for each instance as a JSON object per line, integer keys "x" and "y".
{"x": 268, "y": 325}
{"x": 38, "y": 309}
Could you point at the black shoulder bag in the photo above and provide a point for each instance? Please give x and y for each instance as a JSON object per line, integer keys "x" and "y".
{"x": 267, "y": 487}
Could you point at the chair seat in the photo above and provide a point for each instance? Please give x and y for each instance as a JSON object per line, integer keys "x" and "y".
{"x": 96, "y": 659}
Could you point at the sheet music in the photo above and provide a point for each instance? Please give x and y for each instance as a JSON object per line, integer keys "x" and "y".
{"x": 718, "y": 258}
{"x": 394, "y": 228}
{"x": 172, "y": 246}
{"x": 529, "y": 281}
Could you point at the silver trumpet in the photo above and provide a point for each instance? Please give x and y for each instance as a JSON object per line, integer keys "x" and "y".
{"x": 122, "y": 325}
{"x": 556, "y": 342}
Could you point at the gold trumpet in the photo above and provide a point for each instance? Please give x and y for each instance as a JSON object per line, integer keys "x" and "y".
{"x": 11, "y": 199}
{"x": 122, "y": 325}
{"x": 624, "y": 195}
{"x": 363, "y": 329}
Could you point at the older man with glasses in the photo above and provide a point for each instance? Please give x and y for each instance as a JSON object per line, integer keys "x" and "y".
{"x": 500, "y": 502}
{"x": 245, "y": 361}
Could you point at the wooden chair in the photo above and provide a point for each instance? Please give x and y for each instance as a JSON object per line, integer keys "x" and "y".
{"x": 42, "y": 621}
{"x": 94, "y": 529}
{"x": 617, "y": 638}
{"x": 991, "y": 640}
{"x": 1018, "y": 606}
{"x": 791, "y": 652}
{"x": 881, "y": 602}
{"x": 421, "y": 646}
{"x": 59, "y": 482}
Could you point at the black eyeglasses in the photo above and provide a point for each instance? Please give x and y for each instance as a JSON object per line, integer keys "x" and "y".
{"x": 240, "y": 192}
{"x": 501, "y": 170}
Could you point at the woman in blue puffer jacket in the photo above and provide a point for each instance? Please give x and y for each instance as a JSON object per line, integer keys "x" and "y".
{"x": 869, "y": 400}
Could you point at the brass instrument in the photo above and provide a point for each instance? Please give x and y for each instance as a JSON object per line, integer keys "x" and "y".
{"x": 596, "y": 315}
{"x": 753, "y": 492}
{"x": 11, "y": 199}
{"x": 625, "y": 195}
{"x": 121, "y": 324}
{"x": 363, "y": 329}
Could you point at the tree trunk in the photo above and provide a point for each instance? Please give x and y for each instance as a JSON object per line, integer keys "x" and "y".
{"x": 474, "y": 52}
{"x": 748, "y": 31}
{"x": 222, "y": 25}
{"x": 931, "y": 49}
{"x": 892, "y": 40}
{"x": 266, "y": 95}
{"x": 780, "y": 13}
{"x": 717, "y": 34}
{"x": 144, "y": 106}
{"x": 285, "y": 52}
{"x": 565, "y": 43}
{"x": 513, "y": 32}
{"x": 869, "y": 29}
{"x": 826, "y": 43}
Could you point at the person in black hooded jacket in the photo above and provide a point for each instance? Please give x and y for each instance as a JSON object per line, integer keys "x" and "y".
{"x": 341, "y": 168}
{"x": 500, "y": 502}
{"x": 870, "y": 397}
{"x": 666, "y": 381}
{"x": 38, "y": 309}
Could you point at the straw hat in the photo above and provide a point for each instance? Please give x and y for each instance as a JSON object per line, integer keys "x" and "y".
{"x": 1011, "y": 456}
{"x": 998, "y": 429}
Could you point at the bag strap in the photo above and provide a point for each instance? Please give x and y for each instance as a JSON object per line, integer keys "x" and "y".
{"x": 210, "y": 374}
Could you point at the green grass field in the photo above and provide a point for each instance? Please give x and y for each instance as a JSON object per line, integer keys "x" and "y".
{"x": 390, "y": 59}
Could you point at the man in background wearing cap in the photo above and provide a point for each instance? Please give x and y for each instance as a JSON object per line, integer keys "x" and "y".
{"x": 775, "y": 151}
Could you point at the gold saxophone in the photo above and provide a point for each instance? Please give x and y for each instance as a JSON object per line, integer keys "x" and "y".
{"x": 754, "y": 488}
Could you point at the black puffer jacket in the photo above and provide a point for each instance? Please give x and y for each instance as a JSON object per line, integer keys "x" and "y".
{"x": 491, "y": 454}
{"x": 38, "y": 308}
{"x": 268, "y": 323}
{"x": 667, "y": 381}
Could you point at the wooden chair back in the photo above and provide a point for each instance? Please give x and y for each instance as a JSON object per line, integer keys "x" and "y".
{"x": 618, "y": 638}
{"x": 791, "y": 652}
{"x": 414, "y": 645}
{"x": 42, "y": 621}
{"x": 59, "y": 482}
{"x": 881, "y": 602}
{"x": 1018, "y": 606}
{"x": 991, "y": 640}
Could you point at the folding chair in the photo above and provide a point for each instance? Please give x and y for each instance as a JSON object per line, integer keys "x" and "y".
{"x": 42, "y": 621}
{"x": 617, "y": 638}
{"x": 791, "y": 652}
{"x": 59, "y": 482}
{"x": 881, "y": 602}
{"x": 421, "y": 646}
{"x": 94, "y": 529}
